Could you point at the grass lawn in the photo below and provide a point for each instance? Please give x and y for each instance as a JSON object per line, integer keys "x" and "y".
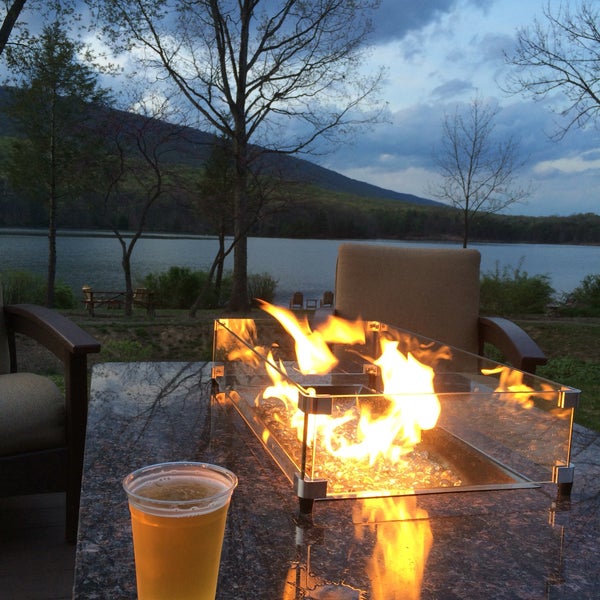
{"x": 573, "y": 350}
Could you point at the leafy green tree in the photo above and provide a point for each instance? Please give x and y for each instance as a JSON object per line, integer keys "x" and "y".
{"x": 56, "y": 157}
{"x": 215, "y": 202}
{"x": 271, "y": 74}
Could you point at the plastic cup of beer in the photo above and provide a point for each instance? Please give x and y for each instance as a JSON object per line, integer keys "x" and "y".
{"x": 178, "y": 513}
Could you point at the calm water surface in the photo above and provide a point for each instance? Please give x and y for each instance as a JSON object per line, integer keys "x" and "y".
{"x": 305, "y": 265}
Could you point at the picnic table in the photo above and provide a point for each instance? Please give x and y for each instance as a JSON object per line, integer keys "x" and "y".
{"x": 115, "y": 299}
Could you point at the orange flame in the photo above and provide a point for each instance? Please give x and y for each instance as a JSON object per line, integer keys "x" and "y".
{"x": 411, "y": 404}
{"x": 402, "y": 546}
{"x": 410, "y": 383}
{"x": 511, "y": 381}
{"x": 281, "y": 388}
{"x": 312, "y": 352}
{"x": 238, "y": 346}
{"x": 340, "y": 331}
{"x": 407, "y": 385}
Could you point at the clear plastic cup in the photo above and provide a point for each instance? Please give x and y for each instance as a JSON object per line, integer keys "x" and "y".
{"x": 178, "y": 513}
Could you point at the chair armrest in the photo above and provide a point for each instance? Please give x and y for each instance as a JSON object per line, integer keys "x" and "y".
{"x": 59, "y": 335}
{"x": 515, "y": 344}
{"x": 52, "y": 330}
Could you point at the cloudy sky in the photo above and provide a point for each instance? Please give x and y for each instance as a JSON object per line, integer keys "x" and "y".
{"x": 440, "y": 54}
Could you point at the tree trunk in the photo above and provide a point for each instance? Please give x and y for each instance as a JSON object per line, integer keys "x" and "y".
{"x": 51, "y": 254}
{"x": 126, "y": 264}
{"x": 217, "y": 267}
{"x": 200, "y": 301}
{"x": 9, "y": 22}
{"x": 239, "y": 301}
{"x": 239, "y": 293}
{"x": 220, "y": 265}
{"x": 52, "y": 210}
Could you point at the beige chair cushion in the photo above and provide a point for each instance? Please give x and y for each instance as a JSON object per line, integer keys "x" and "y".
{"x": 32, "y": 413}
{"x": 430, "y": 291}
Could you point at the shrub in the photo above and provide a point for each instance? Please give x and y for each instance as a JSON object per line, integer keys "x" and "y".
{"x": 64, "y": 297}
{"x": 261, "y": 285}
{"x": 24, "y": 286}
{"x": 584, "y": 300}
{"x": 514, "y": 292}
{"x": 180, "y": 286}
{"x": 176, "y": 288}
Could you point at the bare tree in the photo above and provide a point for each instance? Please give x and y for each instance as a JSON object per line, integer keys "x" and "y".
{"x": 279, "y": 73}
{"x": 11, "y": 12}
{"x": 478, "y": 173}
{"x": 559, "y": 59}
{"x": 138, "y": 173}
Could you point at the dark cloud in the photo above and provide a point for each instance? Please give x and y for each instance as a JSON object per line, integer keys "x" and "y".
{"x": 395, "y": 18}
{"x": 405, "y": 140}
{"x": 452, "y": 88}
{"x": 494, "y": 47}
{"x": 391, "y": 153}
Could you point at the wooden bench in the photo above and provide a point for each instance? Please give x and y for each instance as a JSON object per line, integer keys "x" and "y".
{"x": 144, "y": 298}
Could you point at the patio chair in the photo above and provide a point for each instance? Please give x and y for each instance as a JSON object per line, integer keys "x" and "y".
{"x": 297, "y": 301}
{"x": 429, "y": 291}
{"x": 88, "y": 299}
{"x": 42, "y": 429}
{"x": 327, "y": 299}
{"x": 144, "y": 298}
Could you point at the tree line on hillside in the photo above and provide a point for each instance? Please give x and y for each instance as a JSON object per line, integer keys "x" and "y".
{"x": 410, "y": 222}
{"x": 304, "y": 217}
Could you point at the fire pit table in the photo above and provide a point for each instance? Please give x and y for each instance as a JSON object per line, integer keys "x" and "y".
{"x": 512, "y": 538}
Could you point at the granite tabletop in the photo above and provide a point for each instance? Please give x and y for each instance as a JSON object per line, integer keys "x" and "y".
{"x": 520, "y": 543}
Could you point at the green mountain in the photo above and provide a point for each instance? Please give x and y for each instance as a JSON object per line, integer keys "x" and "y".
{"x": 288, "y": 167}
{"x": 309, "y": 202}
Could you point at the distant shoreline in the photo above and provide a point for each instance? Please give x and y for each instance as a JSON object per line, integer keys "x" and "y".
{"x": 94, "y": 233}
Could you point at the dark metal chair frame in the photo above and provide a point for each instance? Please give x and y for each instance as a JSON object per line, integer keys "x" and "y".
{"x": 53, "y": 469}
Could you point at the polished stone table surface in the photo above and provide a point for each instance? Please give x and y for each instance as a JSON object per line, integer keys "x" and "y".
{"x": 493, "y": 545}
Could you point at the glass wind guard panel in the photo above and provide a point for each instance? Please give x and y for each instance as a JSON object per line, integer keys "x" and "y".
{"x": 396, "y": 414}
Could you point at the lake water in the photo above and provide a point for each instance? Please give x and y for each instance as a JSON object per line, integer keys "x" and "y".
{"x": 304, "y": 265}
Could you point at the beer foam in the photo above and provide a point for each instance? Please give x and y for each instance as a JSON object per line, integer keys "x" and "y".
{"x": 179, "y": 495}
{"x": 179, "y": 489}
